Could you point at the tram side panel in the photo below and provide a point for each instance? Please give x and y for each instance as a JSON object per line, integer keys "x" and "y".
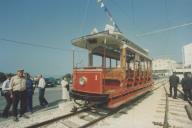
{"x": 88, "y": 81}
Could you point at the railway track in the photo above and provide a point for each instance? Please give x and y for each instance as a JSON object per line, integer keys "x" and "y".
{"x": 175, "y": 115}
{"x": 54, "y": 119}
{"x": 183, "y": 96}
{"x": 166, "y": 124}
{"x": 82, "y": 118}
{"x": 188, "y": 108}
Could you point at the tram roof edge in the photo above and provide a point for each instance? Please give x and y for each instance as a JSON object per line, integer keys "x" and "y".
{"x": 113, "y": 40}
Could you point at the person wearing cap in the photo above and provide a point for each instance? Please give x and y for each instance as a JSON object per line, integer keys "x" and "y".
{"x": 7, "y": 94}
{"x": 18, "y": 87}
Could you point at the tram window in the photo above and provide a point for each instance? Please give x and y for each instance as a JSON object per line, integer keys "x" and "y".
{"x": 143, "y": 65}
{"x": 113, "y": 63}
{"x": 131, "y": 65}
{"x": 97, "y": 61}
{"x": 107, "y": 63}
{"x": 81, "y": 59}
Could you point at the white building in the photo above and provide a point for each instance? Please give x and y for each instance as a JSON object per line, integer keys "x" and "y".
{"x": 187, "y": 55}
{"x": 180, "y": 72}
{"x": 163, "y": 67}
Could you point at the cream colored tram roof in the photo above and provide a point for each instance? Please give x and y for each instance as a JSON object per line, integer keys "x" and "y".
{"x": 112, "y": 42}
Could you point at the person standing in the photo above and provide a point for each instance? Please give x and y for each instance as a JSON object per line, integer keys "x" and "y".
{"x": 30, "y": 90}
{"x": 190, "y": 88}
{"x": 43, "y": 102}
{"x": 65, "y": 88}
{"x": 7, "y": 94}
{"x": 18, "y": 87}
{"x": 186, "y": 83}
{"x": 173, "y": 81}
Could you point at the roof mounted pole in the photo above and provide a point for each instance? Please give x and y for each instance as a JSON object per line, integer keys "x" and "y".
{"x": 108, "y": 13}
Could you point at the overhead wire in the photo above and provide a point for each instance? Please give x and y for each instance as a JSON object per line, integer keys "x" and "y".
{"x": 34, "y": 45}
{"x": 168, "y": 27}
{"x": 116, "y": 4}
{"x": 123, "y": 11}
{"x": 84, "y": 17}
{"x": 164, "y": 29}
{"x": 79, "y": 56}
{"x": 133, "y": 10}
{"x": 51, "y": 47}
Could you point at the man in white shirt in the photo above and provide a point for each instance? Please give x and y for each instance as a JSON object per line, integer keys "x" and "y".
{"x": 43, "y": 102}
{"x": 7, "y": 94}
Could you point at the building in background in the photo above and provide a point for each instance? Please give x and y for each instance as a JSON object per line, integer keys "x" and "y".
{"x": 180, "y": 72}
{"x": 186, "y": 66}
{"x": 187, "y": 55}
{"x": 163, "y": 67}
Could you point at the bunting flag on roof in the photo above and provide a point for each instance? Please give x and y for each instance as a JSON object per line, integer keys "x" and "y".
{"x": 102, "y": 5}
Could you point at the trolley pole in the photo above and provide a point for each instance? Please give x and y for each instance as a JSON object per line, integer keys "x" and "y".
{"x": 73, "y": 58}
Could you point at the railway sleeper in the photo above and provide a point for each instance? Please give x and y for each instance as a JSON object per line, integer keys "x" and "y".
{"x": 70, "y": 124}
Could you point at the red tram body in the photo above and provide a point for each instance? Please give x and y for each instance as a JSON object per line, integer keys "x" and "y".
{"x": 115, "y": 85}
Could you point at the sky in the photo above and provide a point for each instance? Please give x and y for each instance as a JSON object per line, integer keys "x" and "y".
{"x": 36, "y": 34}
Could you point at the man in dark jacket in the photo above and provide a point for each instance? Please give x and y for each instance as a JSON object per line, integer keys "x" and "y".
{"x": 30, "y": 91}
{"x": 186, "y": 83}
{"x": 173, "y": 81}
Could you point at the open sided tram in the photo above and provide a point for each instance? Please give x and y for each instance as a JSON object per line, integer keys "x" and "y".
{"x": 113, "y": 85}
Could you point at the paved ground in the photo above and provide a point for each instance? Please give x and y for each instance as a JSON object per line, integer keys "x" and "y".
{"x": 148, "y": 112}
{"x": 53, "y": 96}
{"x": 140, "y": 114}
{"x": 44, "y": 114}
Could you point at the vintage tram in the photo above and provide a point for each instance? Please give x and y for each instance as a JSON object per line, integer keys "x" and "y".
{"x": 113, "y": 85}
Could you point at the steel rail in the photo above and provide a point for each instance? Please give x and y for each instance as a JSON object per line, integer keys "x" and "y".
{"x": 187, "y": 108}
{"x": 55, "y": 119}
{"x": 83, "y": 110}
{"x": 114, "y": 111}
{"x": 99, "y": 119}
{"x": 162, "y": 81}
{"x": 187, "y": 97}
{"x": 166, "y": 124}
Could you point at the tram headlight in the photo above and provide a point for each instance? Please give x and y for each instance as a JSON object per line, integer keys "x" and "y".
{"x": 82, "y": 80}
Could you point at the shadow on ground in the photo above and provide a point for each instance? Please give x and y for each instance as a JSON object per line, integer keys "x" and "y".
{"x": 37, "y": 108}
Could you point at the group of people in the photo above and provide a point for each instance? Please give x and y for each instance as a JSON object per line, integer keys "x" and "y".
{"x": 19, "y": 88}
{"x": 186, "y": 83}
